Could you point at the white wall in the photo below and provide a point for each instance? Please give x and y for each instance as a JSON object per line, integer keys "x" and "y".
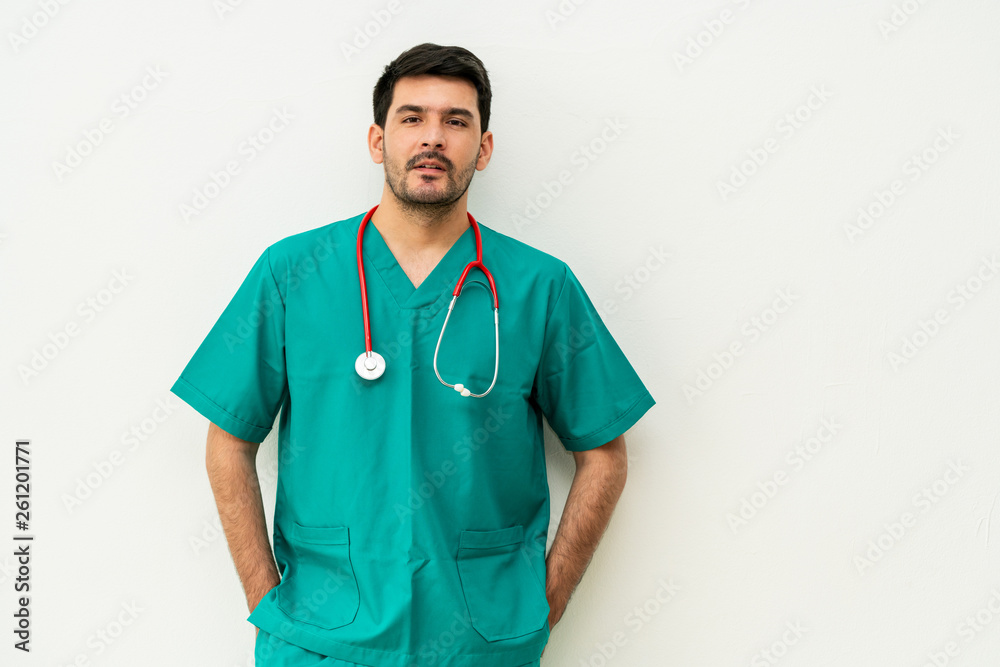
{"x": 859, "y": 295}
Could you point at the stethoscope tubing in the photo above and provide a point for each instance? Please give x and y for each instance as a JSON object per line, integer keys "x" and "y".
{"x": 371, "y": 365}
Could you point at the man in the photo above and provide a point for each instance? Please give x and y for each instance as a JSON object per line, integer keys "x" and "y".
{"x": 411, "y": 520}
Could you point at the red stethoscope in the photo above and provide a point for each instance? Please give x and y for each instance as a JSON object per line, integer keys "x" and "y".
{"x": 370, "y": 365}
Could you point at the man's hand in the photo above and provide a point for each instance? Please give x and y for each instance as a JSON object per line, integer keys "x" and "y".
{"x": 597, "y": 485}
{"x": 232, "y": 472}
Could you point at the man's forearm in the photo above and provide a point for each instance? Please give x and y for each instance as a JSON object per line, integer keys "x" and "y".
{"x": 597, "y": 485}
{"x": 232, "y": 473}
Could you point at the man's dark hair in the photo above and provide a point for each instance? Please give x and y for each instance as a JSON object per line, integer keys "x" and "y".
{"x": 437, "y": 60}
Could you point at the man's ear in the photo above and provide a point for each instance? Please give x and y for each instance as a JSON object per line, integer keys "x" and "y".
{"x": 376, "y": 138}
{"x": 485, "y": 151}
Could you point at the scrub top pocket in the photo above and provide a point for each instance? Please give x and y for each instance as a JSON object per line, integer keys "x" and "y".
{"x": 319, "y": 586}
{"x": 503, "y": 593}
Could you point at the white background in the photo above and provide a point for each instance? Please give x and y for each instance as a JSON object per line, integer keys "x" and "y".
{"x": 145, "y": 532}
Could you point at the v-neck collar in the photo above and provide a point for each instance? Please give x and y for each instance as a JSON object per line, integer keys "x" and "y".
{"x": 438, "y": 284}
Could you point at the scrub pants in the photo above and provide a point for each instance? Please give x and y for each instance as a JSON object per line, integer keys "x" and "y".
{"x": 271, "y": 651}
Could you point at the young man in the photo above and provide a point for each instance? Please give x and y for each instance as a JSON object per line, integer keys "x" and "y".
{"x": 411, "y": 520}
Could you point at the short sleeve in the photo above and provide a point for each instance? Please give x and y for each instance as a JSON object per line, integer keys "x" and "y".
{"x": 236, "y": 377}
{"x": 585, "y": 386}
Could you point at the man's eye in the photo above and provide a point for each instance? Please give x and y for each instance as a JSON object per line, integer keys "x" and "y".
{"x": 461, "y": 123}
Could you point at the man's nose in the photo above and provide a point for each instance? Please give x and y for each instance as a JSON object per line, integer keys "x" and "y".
{"x": 433, "y": 134}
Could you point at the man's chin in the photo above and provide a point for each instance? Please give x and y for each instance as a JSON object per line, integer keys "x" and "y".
{"x": 429, "y": 197}
{"x": 431, "y": 203}
{"x": 428, "y": 201}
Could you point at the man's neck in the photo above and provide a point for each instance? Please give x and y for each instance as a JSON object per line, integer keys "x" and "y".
{"x": 419, "y": 234}
{"x": 419, "y": 241}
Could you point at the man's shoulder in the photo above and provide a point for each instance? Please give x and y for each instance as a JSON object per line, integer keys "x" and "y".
{"x": 317, "y": 245}
{"x": 524, "y": 257}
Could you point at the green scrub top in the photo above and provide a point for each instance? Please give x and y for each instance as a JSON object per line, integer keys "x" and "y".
{"x": 410, "y": 521}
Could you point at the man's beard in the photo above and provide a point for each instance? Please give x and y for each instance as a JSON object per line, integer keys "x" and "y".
{"x": 425, "y": 202}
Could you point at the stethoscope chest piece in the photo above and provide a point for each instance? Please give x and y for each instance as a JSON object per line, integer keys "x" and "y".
{"x": 370, "y": 367}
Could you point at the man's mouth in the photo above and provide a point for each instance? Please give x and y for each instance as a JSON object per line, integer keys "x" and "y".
{"x": 430, "y": 168}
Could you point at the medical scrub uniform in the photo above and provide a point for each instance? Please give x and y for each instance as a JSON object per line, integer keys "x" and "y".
{"x": 410, "y": 521}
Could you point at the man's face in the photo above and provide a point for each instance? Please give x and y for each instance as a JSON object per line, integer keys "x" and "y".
{"x": 431, "y": 119}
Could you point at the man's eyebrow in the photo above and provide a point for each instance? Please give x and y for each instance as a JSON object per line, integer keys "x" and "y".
{"x": 453, "y": 111}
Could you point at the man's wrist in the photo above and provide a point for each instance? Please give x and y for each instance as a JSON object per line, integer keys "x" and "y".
{"x": 256, "y": 595}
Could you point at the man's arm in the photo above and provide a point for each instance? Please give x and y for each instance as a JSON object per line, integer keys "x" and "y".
{"x": 597, "y": 484}
{"x": 232, "y": 472}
